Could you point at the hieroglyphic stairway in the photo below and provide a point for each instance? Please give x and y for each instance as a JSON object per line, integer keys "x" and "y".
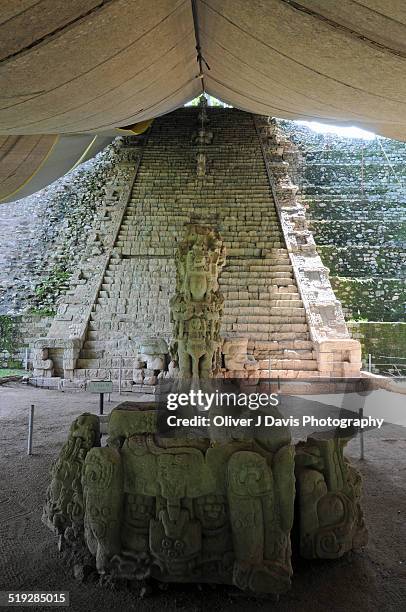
{"x": 279, "y": 306}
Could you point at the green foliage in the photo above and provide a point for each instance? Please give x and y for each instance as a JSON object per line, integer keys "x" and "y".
{"x": 48, "y": 291}
{"x": 43, "y": 312}
{"x": 385, "y": 341}
{"x": 4, "y": 372}
{"x": 9, "y": 334}
{"x": 211, "y": 101}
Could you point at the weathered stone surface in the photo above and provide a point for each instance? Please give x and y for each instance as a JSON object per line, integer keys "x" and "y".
{"x": 197, "y": 305}
{"x": 329, "y": 491}
{"x": 173, "y": 509}
{"x": 43, "y": 236}
{"x": 211, "y": 509}
{"x": 64, "y": 508}
{"x": 121, "y": 289}
{"x": 324, "y": 315}
{"x": 353, "y": 190}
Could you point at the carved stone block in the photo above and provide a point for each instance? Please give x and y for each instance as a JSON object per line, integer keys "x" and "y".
{"x": 204, "y": 509}
{"x": 329, "y": 490}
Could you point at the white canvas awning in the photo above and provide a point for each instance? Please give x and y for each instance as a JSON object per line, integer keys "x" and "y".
{"x": 90, "y": 66}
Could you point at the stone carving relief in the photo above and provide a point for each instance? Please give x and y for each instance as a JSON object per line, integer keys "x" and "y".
{"x": 64, "y": 507}
{"x": 199, "y": 509}
{"x": 329, "y": 490}
{"x": 43, "y": 365}
{"x": 236, "y": 357}
{"x": 150, "y": 363}
{"x": 202, "y": 137}
{"x": 197, "y": 305}
{"x": 175, "y": 510}
{"x": 201, "y": 165}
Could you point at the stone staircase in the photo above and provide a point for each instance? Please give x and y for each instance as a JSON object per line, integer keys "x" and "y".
{"x": 262, "y": 301}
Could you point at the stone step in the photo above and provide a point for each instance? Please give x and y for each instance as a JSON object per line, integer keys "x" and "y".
{"x": 279, "y": 327}
{"x": 259, "y": 347}
{"x": 262, "y": 300}
{"x": 262, "y": 320}
{"x": 289, "y": 364}
{"x": 269, "y": 336}
{"x": 128, "y": 385}
{"x": 99, "y": 342}
{"x": 106, "y": 358}
{"x": 265, "y": 309}
{"x": 286, "y": 374}
{"x": 268, "y": 287}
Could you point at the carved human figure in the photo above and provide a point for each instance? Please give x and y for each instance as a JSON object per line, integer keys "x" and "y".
{"x": 197, "y": 305}
{"x": 202, "y": 137}
{"x": 64, "y": 505}
{"x": 201, "y": 165}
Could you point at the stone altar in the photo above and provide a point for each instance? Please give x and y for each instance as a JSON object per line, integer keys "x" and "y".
{"x": 174, "y": 509}
{"x": 198, "y": 509}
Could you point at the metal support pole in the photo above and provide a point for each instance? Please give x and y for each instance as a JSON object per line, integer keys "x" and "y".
{"x": 119, "y": 375}
{"x": 30, "y": 430}
{"x": 26, "y": 359}
{"x": 110, "y": 378}
{"x": 269, "y": 373}
{"x": 101, "y": 403}
{"x": 369, "y": 362}
{"x": 361, "y": 435}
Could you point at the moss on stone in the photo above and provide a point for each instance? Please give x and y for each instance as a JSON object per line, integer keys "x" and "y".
{"x": 385, "y": 341}
{"x": 9, "y": 334}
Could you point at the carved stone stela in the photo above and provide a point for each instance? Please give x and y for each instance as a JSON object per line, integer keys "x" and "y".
{"x": 194, "y": 510}
{"x": 197, "y": 305}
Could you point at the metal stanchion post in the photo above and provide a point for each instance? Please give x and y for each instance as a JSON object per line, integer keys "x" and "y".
{"x": 269, "y": 373}
{"x": 30, "y": 430}
{"x": 369, "y": 362}
{"x": 101, "y": 403}
{"x": 361, "y": 435}
{"x": 119, "y": 375}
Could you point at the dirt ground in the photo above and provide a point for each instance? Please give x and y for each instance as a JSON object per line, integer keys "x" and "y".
{"x": 373, "y": 580}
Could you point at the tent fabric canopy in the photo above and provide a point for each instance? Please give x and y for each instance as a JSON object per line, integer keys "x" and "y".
{"x": 30, "y": 163}
{"x": 92, "y": 65}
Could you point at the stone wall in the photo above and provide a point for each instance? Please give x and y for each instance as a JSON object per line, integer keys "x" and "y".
{"x": 27, "y": 328}
{"x": 375, "y": 339}
{"x": 354, "y": 191}
{"x": 351, "y": 188}
{"x": 42, "y": 237}
{"x": 262, "y": 302}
